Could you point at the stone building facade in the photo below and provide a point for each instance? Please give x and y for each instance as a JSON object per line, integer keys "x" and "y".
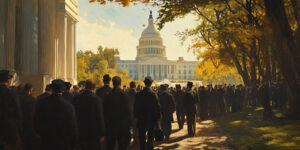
{"x": 151, "y": 59}
{"x": 37, "y": 40}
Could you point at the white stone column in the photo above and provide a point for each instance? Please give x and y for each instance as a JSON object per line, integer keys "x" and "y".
{"x": 75, "y": 55}
{"x": 2, "y": 33}
{"x": 61, "y": 27}
{"x": 70, "y": 50}
{"x": 7, "y": 34}
{"x": 28, "y": 49}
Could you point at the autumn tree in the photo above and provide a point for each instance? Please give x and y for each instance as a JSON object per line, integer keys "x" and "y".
{"x": 260, "y": 38}
{"x": 92, "y": 65}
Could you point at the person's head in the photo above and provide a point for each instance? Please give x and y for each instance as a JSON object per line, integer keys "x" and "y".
{"x": 116, "y": 81}
{"x": 190, "y": 85}
{"x": 28, "y": 89}
{"x": 106, "y": 79}
{"x": 124, "y": 87}
{"x": 90, "y": 85}
{"x": 48, "y": 88}
{"x": 5, "y": 77}
{"x": 164, "y": 87}
{"x": 76, "y": 89}
{"x": 68, "y": 85}
{"x": 148, "y": 81}
{"x": 58, "y": 86}
{"x": 81, "y": 85}
{"x": 178, "y": 87}
{"x": 132, "y": 85}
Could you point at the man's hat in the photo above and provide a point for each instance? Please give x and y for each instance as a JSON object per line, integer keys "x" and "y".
{"x": 178, "y": 86}
{"x": 68, "y": 85}
{"x": 5, "y": 75}
{"x": 164, "y": 86}
{"x": 106, "y": 77}
{"x": 148, "y": 79}
{"x": 190, "y": 84}
{"x": 58, "y": 85}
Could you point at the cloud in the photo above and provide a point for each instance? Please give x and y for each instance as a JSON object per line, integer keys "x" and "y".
{"x": 105, "y": 33}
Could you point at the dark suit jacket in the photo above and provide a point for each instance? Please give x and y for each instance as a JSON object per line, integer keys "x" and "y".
{"x": 89, "y": 113}
{"x": 117, "y": 113}
{"x": 55, "y": 123}
{"x": 146, "y": 108}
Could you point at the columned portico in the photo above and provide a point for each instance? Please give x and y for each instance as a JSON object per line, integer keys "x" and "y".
{"x": 37, "y": 40}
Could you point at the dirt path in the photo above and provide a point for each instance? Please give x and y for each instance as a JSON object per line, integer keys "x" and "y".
{"x": 208, "y": 137}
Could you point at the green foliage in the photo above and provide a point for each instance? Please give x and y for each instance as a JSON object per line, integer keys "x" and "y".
{"x": 92, "y": 65}
{"x": 247, "y": 130}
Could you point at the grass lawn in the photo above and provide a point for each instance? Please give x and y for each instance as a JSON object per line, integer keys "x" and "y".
{"x": 248, "y": 131}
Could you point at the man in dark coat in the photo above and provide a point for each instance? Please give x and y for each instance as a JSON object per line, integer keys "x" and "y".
{"x": 103, "y": 91}
{"x": 189, "y": 104}
{"x": 266, "y": 96}
{"x": 55, "y": 120}
{"x": 147, "y": 112}
{"x": 212, "y": 101}
{"x": 179, "y": 95}
{"x": 203, "y": 103}
{"x": 27, "y": 103}
{"x": 131, "y": 92}
{"x": 117, "y": 117}
{"x": 68, "y": 95}
{"x": 167, "y": 106}
{"x": 47, "y": 92}
{"x": 10, "y": 118}
{"x": 89, "y": 114}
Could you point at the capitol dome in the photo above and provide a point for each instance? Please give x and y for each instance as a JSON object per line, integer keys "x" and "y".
{"x": 150, "y": 31}
{"x": 151, "y": 43}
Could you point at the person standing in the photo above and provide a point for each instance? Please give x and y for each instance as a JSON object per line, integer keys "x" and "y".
{"x": 46, "y": 93}
{"x": 55, "y": 120}
{"x": 131, "y": 92}
{"x": 103, "y": 91}
{"x": 68, "y": 95}
{"x": 190, "y": 109}
{"x": 27, "y": 103}
{"x": 10, "y": 117}
{"x": 117, "y": 116}
{"x": 167, "y": 106}
{"x": 179, "y": 95}
{"x": 147, "y": 113}
{"x": 203, "y": 104}
{"x": 89, "y": 114}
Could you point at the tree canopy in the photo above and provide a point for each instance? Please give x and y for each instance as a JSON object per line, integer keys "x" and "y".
{"x": 92, "y": 65}
{"x": 260, "y": 38}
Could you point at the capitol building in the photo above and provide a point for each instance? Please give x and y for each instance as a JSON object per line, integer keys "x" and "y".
{"x": 151, "y": 59}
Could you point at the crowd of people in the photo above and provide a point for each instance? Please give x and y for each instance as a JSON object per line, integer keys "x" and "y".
{"x": 89, "y": 118}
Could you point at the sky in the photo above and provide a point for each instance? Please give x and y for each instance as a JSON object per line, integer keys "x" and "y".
{"x": 114, "y": 26}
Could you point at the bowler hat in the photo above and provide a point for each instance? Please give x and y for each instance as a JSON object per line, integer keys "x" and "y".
{"x": 190, "y": 84}
{"x": 148, "y": 79}
{"x": 5, "y": 75}
{"x": 106, "y": 77}
{"x": 58, "y": 85}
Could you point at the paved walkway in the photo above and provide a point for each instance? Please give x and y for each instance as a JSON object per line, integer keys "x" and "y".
{"x": 208, "y": 137}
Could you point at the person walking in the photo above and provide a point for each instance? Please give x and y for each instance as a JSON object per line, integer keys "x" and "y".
{"x": 147, "y": 113}
{"x": 178, "y": 96}
{"x": 117, "y": 117}
{"x": 10, "y": 117}
{"x": 167, "y": 106}
{"x": 55, "y": 121}
{"x": 190, "y": 109}
{"x": 89, "y": 114}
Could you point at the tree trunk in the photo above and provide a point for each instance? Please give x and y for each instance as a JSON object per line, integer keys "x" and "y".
{"x": 287, "y": 54}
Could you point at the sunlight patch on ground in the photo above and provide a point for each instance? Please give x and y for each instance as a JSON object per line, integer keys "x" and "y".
{"x": 259, "y": 108}
{"x": 208, "y": 137}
